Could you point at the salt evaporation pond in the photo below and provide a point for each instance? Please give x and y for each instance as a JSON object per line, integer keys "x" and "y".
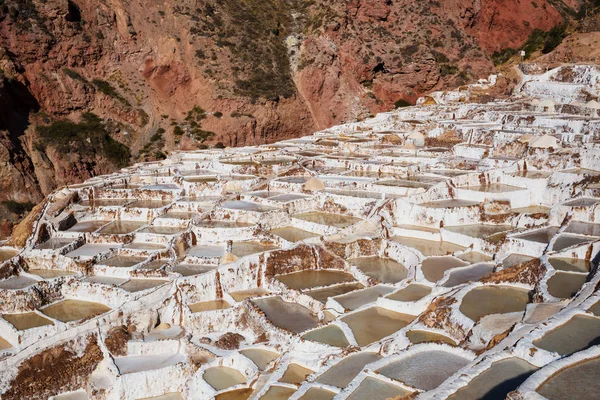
{"x": 331, "y": 291}
{"x": 223, "y": 377}
{"x": 313, "y": 278}
{"x": 417, "y": 336}
{"x": 73, "y": 310}
{"x": 411, "y": 292}
{"x": 434, "y": 267}
{"x": 354, "y": 300}
{"x": 290, "y": 316}
{"x": 27, "y": 320}
{"x": 428, "y": 247}
{"x": 496, "y": 382}
{"x": 564, "y": 285}
{"x": 579, "y": 381}
{"x": 375, "y": 323}
{"x": 330, "y": 334}
{"x": 376, "y": 389}
{"x": 292, "y": 234}
{"x": 425, "y": 370}
{"x": 261, "y": 357}
{"x": 321, "y": 218}
{"x": 342, "y": 373}
{"x": 486, "y": 300}
{"x": 577, "y": 334}
{"x": 295, "y": 374}
{"x": 385, "y": 270}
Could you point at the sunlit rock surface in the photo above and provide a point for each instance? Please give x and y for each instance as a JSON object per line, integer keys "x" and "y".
{"x": 446, "y": 250}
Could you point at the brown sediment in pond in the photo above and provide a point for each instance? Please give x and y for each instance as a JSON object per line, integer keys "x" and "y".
{"x": 295, "y": 374}
{"x": 411, "y": 292}
{"x": 373, "y": 388}
{"x": 385, "y": 270}
{"x": 375, "y": 323}
{"x": 261, "y": 357}
{"x": 223, "y": 377}
{"x": 209, "y": 305}
{"x": 289, "y": 316}
{"x": 417, "y": 336}
{"x": 309, "y": 279}
{"x": 330, "y": 334}
{"x": 73, "y": 310}
{"x": 486, "y": 300}
{"x": 26, "y": 320}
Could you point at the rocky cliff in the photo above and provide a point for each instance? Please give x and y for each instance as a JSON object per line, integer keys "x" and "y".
{"x": 182, "y": 74}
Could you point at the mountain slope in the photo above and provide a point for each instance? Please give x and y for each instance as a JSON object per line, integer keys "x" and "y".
{"x": 178, "y": 74}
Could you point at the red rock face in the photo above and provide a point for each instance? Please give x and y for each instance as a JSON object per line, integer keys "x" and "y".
{"x": 498, "y": 24}
{"x": 270, "y": 69}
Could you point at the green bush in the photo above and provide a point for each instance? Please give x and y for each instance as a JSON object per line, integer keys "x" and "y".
{"x": 16, "y": 207}
{"x": 109, "y": 90}
{"x": 402, "y": 103}
{"x": 87, "y": 137}
{"x": 218, "y": 114}
{"x": 447, "y": 69}
{"x": 74, "y": 75}
{"x": 219, "y": 145}
{"x": 502, "y": 56}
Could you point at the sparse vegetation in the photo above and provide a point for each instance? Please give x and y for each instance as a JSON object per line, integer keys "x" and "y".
{"x": 87, "y": 137}
{"x": 18, "y": 208}
{"x": 106, "y": 88}
{"x": 402, "y": 103}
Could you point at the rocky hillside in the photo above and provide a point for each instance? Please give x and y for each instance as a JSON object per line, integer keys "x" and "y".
{"x": 87, "y": 86}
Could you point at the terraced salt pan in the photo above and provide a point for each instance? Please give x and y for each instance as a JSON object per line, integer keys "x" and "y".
{"x": 376, "y": 389}
{"x": 191, "y": 269}
{"x": 278, "y": 393}
{"x": 411, "y": 292}
{"x": 292, "y": 234}
{"x": 417, "y": 336}
{"x": 242, "y": 295}
{"x": 321, "y": 218}
{"x": 316, "y": 393}
{"x": 27, "y": 320}
{"x": 497, "y": 381}
{"x": 564, "y": 285}
{"x": 577, "y": 334}
{"x": 580, "y": 381}
{"x": 261, "y": 357}
{"x": 16, "y": 282}
{"x": 331, "y": 291}
{"x": 309, "y": 279}
{"x": 223, "y": 377}
{"x": 375, "y": 323}
{"x": 434, "y": 267}
{"x": 290, "y": 316}
{"x": 385, "y": 270}
{"x": 485, "y": 300}
{"x": 425, "y": 370}
{"x": 87, "y": 226}
{"x": 357, "y": 299}
{"x": 295, "y": 374}
{"x": 122, "y": 227}
{"x": 210, "y": 305}
{"x": 330, "y": 334}
{"x": 74, "y": 310}
{"x": 51, "y": 273}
